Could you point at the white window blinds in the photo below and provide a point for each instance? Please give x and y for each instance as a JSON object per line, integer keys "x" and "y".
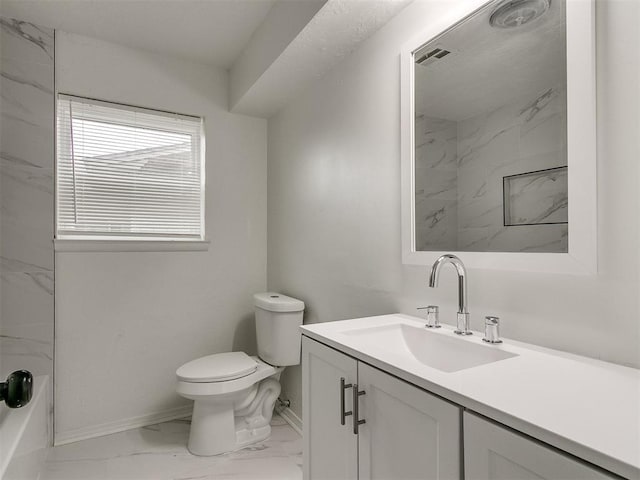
{"x": 127, "y": 172}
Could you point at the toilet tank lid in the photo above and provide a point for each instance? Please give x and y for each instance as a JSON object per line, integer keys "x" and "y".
{"x": 276, "y": 302}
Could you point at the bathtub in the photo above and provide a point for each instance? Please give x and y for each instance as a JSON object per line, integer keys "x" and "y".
{"x": 25, "y": 435}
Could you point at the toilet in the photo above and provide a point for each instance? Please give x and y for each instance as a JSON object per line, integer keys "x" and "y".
{"x": 234, "y": 394}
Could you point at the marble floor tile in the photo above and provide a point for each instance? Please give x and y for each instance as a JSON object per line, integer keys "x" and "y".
{"x": 158, "y": 452}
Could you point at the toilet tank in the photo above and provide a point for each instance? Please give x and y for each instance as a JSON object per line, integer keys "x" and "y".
{"x": 278, "y": 319}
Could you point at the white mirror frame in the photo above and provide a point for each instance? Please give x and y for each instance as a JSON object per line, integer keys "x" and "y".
{"x": 581, "y": 151}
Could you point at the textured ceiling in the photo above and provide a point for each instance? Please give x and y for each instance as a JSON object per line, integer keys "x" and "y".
{"x": 331, "y": 35}
{"x": 208, "y": 31}
{"x": 217, "y": 32}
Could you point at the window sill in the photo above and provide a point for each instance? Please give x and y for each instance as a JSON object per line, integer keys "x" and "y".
{"x": 69, "y": 245}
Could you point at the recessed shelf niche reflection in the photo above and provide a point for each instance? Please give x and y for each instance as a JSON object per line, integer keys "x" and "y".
{"x": 536, "y": 198}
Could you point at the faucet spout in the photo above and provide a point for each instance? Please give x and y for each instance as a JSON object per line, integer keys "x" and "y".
{"x": 463, "y": 310}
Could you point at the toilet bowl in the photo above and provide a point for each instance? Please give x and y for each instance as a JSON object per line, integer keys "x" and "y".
{"x": 234, "y": 394}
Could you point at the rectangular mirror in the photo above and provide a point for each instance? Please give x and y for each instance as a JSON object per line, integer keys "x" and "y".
{"x": 498, "y": 138}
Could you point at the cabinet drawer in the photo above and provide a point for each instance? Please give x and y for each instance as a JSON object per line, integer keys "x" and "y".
{"x": 492, "y": 452}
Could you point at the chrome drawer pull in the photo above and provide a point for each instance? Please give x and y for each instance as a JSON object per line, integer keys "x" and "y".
{"x": 343, "y": 387}
{"x": 356, "y": 419}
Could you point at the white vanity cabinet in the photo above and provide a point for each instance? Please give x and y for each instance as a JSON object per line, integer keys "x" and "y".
{"x": 330, "y": 449}
{"x": 407, "y": 433}
{"x": 493, "y": 452}
{"x": 522, "y": 418}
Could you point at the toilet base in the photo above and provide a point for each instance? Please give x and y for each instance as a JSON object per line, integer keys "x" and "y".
{"x": 224, "y": 426}
{"x": 248, "y": 437}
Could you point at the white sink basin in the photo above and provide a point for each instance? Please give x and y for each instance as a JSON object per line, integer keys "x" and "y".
{"x": 436, "y": 350}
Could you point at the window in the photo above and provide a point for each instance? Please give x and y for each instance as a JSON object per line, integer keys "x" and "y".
{"x": 128, "y": 173}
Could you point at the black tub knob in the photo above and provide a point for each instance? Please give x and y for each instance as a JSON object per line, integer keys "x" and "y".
{"x": 17, "y": 390}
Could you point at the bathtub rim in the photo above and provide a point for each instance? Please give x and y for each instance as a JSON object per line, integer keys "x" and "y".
{"x": 14, "y": 422}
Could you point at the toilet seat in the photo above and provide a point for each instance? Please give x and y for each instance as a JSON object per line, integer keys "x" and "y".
{"x": 220, "y": 367}
{"x": 264, "y": 370}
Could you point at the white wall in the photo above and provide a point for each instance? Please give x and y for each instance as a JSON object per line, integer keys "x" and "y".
{"x": 334, "y": 205}
{"x": 126, "y": 321}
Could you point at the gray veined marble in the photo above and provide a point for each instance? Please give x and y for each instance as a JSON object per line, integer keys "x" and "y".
{"x": 9, "y": 160}
{"x": 27, "y": 106}
{"x": 435, "y": 182}
{"x": 538, "y": 197}
{"x": 8, "y": 265}
{"x": 26, "y": 40}
{"x": 434, "y": 217}
{"x": 19, "y": 351}
{"x": 459, "y": 204}
{"x": 27, "y": 221}
{"x": 537, "y": 106}
{"x": 30, "y": 177}
{"x": 43, "y": 280}
{"x": 545, "y": 247}
{"x": 25, "y": 81}
{"x": 475, "y": 151}
{"x": 25, "y": 339}
{"x": 27, "y": 110}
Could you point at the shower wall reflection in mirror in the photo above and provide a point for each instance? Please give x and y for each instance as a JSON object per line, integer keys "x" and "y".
{"x": 490, "y": 164}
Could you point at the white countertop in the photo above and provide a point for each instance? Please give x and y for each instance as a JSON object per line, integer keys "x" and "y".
{"x": 586, "y": 407}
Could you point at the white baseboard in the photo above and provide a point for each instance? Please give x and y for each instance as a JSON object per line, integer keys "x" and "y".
{"x": 291, "y": 418}
{"x": 121, "y": 425}
{"x": 71, "y": 436}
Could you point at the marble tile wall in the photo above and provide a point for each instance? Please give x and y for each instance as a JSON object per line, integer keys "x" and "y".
{"x": 537, "y": 198}
{"x": 523, "y": 136}
{"x": 436, "y": 185}
{"x": 27, "y": 107}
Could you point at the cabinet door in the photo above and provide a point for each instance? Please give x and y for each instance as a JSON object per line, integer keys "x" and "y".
{"x": 330, "y": 449}
{"x": 409, "y": 434}
{"x": 492, "y": 452}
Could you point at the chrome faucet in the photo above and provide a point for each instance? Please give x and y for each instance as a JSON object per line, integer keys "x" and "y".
{"x": 463, "y": 312}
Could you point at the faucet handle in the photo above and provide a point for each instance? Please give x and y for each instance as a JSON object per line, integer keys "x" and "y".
{"x": 433, "y": 316}
{"x": 492, "y": 330}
